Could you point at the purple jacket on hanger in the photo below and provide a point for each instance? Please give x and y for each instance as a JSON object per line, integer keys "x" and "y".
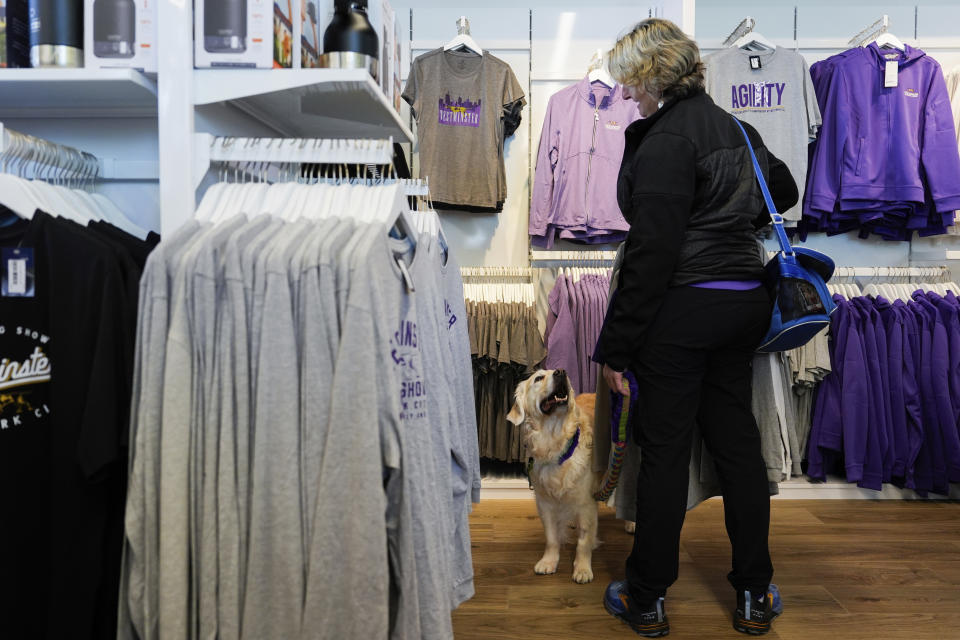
{"x": 896, "y": 365}
{"x": 931, "y": 471}
{"x": 575, "y": 182}
{"x": 884, "y": 425}
{"x": 940, "y": 373}
{"x": 562, "y": 341}
{"x": 841, "y": 421}
{"x": 919, "y": 477}
{"x": 883, "y": 144}
{"x": 865, "y": 465}
{"x": 949, "y": 307}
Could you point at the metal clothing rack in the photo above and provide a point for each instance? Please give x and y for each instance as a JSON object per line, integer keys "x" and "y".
{"x": 928, "y": 274}
{"x": 882, "y": 25}
{"x": 550, "y": 259}
{"x": 285, "y": 151}
{"x": 32, "y": 157}
{"x": 496, "y": 273}
{"x": 746, "y": 26}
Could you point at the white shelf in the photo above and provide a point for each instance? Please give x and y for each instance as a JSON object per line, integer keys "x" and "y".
{"x": 305, "y": 103}
{"x": 76, "y": 93}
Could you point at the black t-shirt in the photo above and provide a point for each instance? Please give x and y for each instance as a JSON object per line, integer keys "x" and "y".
{"x": 60, "y": 484}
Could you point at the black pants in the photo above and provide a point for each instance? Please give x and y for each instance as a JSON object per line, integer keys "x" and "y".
{"x": 696, "y": 365}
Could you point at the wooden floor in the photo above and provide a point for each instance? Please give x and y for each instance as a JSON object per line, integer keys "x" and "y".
{"x": 847, "y": 570}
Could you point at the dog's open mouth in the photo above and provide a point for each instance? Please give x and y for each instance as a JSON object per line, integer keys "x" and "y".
{"x": 556, "y": 399}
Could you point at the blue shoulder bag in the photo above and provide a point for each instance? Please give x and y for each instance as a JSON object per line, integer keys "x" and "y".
{"x": 797, "y": 280}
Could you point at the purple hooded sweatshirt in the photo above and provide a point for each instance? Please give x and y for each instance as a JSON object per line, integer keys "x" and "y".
{"x": 919, "y": 476}
{"x": 841, "y": 418}
{"x": 877, "y": 333}
{"x": 880, "y": 142}
{"x": 896, "y": 368}
{"x": 931, "y": 470}
{"x": 940, "y": 372}
{"x": 886, "y": 158}
{"x": 865, "y": 465}
{"x": 575, "y": 183}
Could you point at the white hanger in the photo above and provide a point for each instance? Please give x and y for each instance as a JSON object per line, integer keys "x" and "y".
{"x": 755, "y": 41}
{"x": 890, "y": 41}
{"x": 598, "y": 70}
{"x": 463, "y": 38}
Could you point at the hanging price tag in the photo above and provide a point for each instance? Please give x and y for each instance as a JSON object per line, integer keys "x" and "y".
{"x": 890, "y": 77}
{"x": 755, "y": 62}
{"x": 18, "y": 272}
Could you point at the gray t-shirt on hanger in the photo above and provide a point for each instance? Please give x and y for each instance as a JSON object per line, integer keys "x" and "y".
{"x": 458, "y": 99}
{"x": 777, "y": 98}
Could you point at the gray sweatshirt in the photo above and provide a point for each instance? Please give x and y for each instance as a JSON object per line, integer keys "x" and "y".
{"x": 467, "y": 461}
{"x": 354, "y": 603}
{"x": 275, "y": 570}
{"x": 319, "y": 339}
{"x": 207, "y": 279}
{"x": 138, "y": 615}
{"x": 234, "y": 363}
{"x": 446, "y": 443}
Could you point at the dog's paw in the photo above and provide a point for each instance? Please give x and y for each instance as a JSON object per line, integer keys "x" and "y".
{"x": 546, "y": 566}
{"x": 582, "y": 575}
{"x": 630, "y": 526}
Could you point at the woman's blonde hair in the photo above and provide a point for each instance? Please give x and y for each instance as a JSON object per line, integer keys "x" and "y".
{"x": 658, "y": 57}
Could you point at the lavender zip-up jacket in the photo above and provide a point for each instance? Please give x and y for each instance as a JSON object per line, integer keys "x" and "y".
{"x": 575, "y": 183}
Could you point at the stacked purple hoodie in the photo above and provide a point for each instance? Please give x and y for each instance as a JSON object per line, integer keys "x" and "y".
{"x": 575, "y": 184}
{"x": 886, "y": 160}
{"x": 889, "y": 411}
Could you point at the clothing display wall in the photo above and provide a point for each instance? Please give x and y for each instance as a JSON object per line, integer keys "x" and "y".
{"x": 575, "y": 184}
{"x": 886, "y": 160}
{"x": 772, "y": 91}
{"x": 465, "y": 106}
{"x": 305, "y": 452}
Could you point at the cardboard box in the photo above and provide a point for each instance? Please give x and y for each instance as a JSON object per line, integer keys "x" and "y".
{"x": 262, "y": 34}
{"x": 120, "y": 33}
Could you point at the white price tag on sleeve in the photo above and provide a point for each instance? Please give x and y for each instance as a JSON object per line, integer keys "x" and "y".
{"x": 17, "y": 274}
{"x": 890, "y": 77}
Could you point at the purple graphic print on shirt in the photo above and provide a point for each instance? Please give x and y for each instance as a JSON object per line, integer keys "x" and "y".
{"x": 462, "y": 113}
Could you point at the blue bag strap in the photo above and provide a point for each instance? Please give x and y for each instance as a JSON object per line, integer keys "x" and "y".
{"x": 776, "y": 217}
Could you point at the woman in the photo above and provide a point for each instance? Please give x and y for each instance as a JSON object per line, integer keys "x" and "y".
{"x": 689, "y": 313}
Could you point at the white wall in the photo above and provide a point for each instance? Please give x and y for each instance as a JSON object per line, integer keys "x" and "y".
{"x": 553, "y": 49}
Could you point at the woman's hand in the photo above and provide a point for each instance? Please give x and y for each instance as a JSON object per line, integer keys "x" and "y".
{"x": 614, "y": 379}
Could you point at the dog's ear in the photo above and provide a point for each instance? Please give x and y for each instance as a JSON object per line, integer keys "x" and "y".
{"x": 516, "y": 415}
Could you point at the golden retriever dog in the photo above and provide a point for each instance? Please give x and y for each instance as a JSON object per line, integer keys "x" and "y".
{"x": 558, "y": 432}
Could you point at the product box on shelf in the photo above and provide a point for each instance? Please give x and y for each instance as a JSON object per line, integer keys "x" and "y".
{"x": 120, "y": 33}
{"x": 262, "y": 34}
{"x": 315, "y": 15}
{"x": 382, "y": 19}
{"x": 16, "y": 33}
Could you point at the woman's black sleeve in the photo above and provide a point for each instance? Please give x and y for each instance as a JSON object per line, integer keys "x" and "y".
{"x": 664, "y": 183}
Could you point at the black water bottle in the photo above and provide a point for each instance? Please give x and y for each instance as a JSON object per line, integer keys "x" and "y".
{"x": 225, "y": 26}
{"x": 350, "y": 30}
{"x": 56, "y": 33}
{"x": 114, "y": 28}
